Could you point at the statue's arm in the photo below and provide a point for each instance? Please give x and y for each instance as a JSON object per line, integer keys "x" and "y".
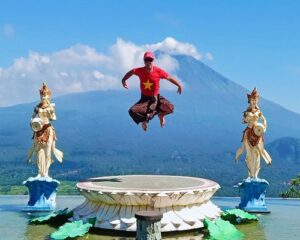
{"x": 51, "y": 112}
{"x": 245, "y": 119}
{"x": 263, "y": 120}
{"x": 35, "y": 112}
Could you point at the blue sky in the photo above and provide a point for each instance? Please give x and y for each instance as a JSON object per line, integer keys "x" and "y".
{"x": 254, "y": 43}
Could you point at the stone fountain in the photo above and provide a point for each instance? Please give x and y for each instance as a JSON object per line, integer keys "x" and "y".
{"x": 113, "y": 201}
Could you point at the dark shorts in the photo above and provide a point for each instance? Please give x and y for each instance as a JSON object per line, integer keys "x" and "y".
{"x": 148, "y": 106}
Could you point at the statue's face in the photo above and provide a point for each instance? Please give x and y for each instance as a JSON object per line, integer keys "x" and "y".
{"x": 253, "y": 102}
{"x": 44, "y": 99}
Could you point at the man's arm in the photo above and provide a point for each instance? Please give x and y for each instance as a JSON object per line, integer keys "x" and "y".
{"x": 127, "y": 75}
{"x": 175, "y": 82}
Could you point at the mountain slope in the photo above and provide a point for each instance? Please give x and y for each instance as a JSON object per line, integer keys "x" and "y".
{"x": 199, "y": 139}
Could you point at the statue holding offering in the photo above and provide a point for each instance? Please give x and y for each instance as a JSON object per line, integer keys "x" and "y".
{"x": 42, "y": 188}
{"x": 253, "y": 189}
{"x": 253, "y": 136}
{"x": 44, "y": 136}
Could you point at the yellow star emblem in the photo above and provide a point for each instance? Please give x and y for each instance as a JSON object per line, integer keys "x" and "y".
{"x": 147, "y": 85}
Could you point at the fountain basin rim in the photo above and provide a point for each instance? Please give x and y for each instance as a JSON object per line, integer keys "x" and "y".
{"x": 205, "y": 185}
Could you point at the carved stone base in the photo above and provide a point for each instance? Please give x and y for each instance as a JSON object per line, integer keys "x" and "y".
{"x": 252, "y": 194}
{"x": 42, "y": 194}
{"x": 113, "y": 201}
{"x": 176, "y": 218}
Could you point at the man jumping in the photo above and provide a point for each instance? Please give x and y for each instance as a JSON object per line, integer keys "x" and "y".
{"x": 151, "y": 102}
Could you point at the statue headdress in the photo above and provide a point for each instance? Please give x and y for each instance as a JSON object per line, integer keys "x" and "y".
{"x": 254, "y": 95}
{"x": 45, "y": 90}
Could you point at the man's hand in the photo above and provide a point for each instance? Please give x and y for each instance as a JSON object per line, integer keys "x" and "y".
{"x": 175, "y": 82}
{"x": 179, "y": 90}
{"x": 124, "y": 83}
{"x": 124, "y": 79}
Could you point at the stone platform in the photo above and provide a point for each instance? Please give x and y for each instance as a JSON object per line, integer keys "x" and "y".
{"x": 113, "y": 201}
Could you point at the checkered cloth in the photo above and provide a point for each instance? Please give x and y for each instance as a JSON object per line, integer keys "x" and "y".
{"x": 148, "y": 106}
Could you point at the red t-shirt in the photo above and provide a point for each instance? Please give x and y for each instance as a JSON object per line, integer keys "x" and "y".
{"x": 149, "y": 81}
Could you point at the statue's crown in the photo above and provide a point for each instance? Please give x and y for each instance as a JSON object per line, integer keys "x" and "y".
{"x": 45, "y": 90}
{"x": 254, "y": 94}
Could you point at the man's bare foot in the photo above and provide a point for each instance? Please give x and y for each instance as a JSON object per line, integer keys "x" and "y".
{"x": 162, "y": 120}
{"x": 144, "y": 126}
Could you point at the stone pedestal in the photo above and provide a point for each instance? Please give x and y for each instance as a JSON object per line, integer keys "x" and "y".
{"x": 148, "y": 225}
{"x": 42, "y": 194}
{"x": 252, "y": 193}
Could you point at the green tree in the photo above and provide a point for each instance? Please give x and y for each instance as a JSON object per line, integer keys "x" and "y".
{"x": 293, "y": 190}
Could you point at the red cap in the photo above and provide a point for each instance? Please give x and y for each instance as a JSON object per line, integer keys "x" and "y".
{"x": 149, "y": 54}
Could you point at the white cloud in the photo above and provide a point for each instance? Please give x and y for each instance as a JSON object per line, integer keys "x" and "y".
{"x": 98, "y": 74}
{"x": 82, "y": 68}
{"x": 126, "y": 55}
{"x": 64, "y": 74}
{"x": 209, "y": 56}
{"x": 167, "y": 63}
{"x": 9, "y": 31}
{"x": 172, "y": 46}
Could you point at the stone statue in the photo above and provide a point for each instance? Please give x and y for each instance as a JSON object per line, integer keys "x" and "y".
{"x": 253, "y": 136}
{"x": 44, "y": 136}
